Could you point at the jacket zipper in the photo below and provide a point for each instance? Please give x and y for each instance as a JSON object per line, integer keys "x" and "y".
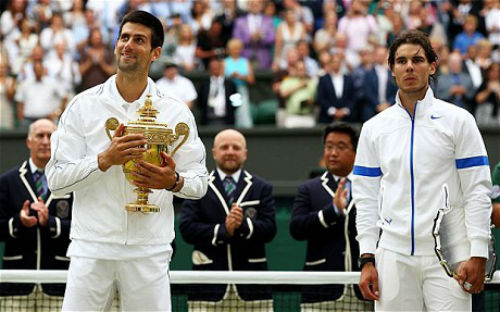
{"x": 412, "y": 180}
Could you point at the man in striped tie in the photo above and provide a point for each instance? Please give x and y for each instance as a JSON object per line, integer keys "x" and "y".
{"x": 34, "y": 224}
{"x": 229, "y": 228}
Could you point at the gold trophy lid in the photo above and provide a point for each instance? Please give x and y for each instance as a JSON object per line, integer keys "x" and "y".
{"x": 147, "y": 114}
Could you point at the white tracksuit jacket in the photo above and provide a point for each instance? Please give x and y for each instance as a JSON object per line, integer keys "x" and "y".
{"x": 100, "y": 197}
{"x": 401, "y": 166}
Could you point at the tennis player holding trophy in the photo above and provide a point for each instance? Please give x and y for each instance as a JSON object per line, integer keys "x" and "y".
{"x": 121, "y": 238}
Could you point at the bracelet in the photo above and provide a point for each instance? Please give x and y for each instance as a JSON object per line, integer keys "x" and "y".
{"x": 176, "y": 182}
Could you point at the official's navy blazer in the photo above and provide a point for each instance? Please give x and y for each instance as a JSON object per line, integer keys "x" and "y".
{"x": 37, "y": 247}
{"x": 202, "y": 223}
{"x": 328, "y": 239}
{"x": 326, "y": 97}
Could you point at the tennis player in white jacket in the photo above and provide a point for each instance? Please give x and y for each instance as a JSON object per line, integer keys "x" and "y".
{"x": 406, "y": 156}
{"x": 111, "y": 246}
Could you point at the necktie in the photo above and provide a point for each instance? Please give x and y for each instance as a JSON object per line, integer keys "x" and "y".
{"x": 38, "y": 176}
{"x": 230, "y": 189}
{"x": 347, "y": 186}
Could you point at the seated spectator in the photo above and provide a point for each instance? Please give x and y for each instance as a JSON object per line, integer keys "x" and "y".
{"x": 256, "y": 31}
{"x": 238, "y": 69}
{"x": 9, "y": 19}
{"x": 214, "y": 93}
{"x": 27, "y": 72}
{"x": 469, "y": 36}
{"x": 427, "y": 24}
{"x": 21, "y": 43}
{"x": 303, "y": 14}
{"x": 324, "y": 38}
{"x": 57, "y": 32}
{"x": 7, "y": 91}
{"x": 484, "y": 57}
{"x": 227, "y": 14}
{"x": 456, "y": 86}
{"x": 488, "y": 98}
{"x": 63, "y": 69}
{"x": 209, "y": 43}
{"x": 304, "y": 55}
{"x": 379, "y": 85}
{"x": 234, "y": 220}
{"x": 299, "y": 91}
{"x": 288, "y": 34}
{"x": 42, "y": 97}
{"x": 492, "y": 21}
{"x": 336, "y": 93}
{"x": 358, "y": 26}
{"x": 177, "y": 86}
{"x": 472, "y": 67}
{"x": 184, "y": 55}
{"x": 201, "y": 16}
{"x": 96, "y": 63}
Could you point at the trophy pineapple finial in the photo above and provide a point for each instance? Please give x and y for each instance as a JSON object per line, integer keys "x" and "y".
{"x": 147, "y": 113}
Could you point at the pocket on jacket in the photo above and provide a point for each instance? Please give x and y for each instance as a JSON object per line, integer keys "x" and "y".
{"x": 200, "y": 258}
{"x": 257, "y": 260}
{"x": 61, "y": 258}
{"x": 12, "y": 258}
{"x": 317, "y": 262}
{"x": 249, "y": 203}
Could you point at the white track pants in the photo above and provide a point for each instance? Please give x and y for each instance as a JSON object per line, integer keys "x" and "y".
{"x": 143, "y": 284}
{"x": 416, "y": 283}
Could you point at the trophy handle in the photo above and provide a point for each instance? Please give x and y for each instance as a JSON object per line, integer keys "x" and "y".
{"x": 111, "y": 124}
{"x": 180, "y": 129}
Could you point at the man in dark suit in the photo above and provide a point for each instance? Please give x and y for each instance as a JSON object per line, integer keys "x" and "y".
{"x": 324, "y": 216}
{"x": 378, "y": 86}
{"x": 214, "y": 97}
{"x": 34, "y": 224}
{"x": 336, "y": 93}
{"x": 229, "y": 228}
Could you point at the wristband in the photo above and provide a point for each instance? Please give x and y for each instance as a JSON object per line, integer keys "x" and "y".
{"x": 176, "y": 182}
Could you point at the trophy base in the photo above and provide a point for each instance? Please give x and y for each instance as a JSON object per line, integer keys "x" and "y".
{"x": 145, "y": 208}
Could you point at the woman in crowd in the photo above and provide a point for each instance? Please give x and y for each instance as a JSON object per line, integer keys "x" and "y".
{"x": 488, "y": 97}
{"x": 239, "y": 70}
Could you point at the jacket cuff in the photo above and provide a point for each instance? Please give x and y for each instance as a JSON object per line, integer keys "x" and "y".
{"x": 246, "y": 229}
{"x": 479, "y": 247}
{"x": 328, "y": 217}
{"x": 14, "y": 224}
{"x": 54, "y": 226}
{"x": 367, "y": 244}
{"x": 219, "y": 234}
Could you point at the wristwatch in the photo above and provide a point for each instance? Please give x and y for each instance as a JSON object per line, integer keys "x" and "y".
{"x": 365, "y": 260}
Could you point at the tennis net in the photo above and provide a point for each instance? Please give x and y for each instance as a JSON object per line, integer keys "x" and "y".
{"x": 230, "y": 291}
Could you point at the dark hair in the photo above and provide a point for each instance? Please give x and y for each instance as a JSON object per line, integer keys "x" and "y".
{"x": 342, "y": 127}
{"x": 148, "y": 20}
{"x": 412, "y": 37}
{"x": 416, "y": 37}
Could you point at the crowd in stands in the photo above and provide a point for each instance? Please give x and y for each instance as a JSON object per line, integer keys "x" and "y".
{"x": 327, "y": 58}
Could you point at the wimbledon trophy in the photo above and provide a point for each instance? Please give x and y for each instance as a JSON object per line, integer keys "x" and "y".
{"x": 159, "y": 138}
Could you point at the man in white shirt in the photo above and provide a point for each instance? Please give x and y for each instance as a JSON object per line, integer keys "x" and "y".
{"x": 39, "y": 98}
{"x": 175, "y": 85}
{"x": 110, "y": 245}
